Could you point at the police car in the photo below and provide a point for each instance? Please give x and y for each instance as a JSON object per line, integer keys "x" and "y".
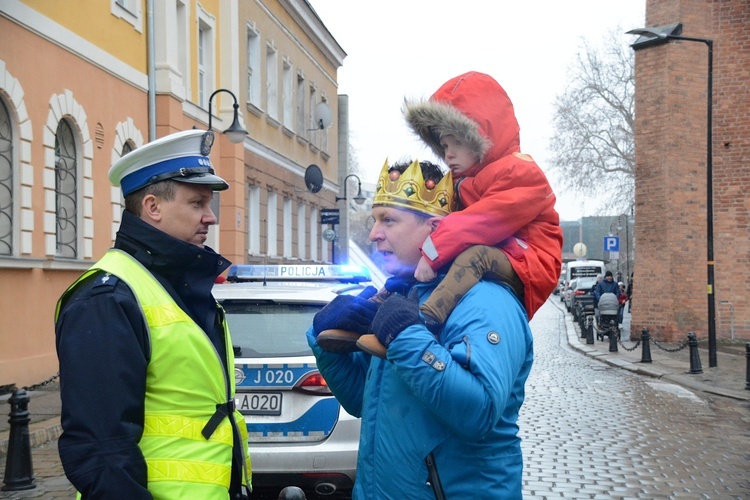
{"x": 298, "y": 433}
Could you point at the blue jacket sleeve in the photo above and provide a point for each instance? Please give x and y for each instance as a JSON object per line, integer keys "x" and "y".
{"x": 476, "y": 372}
{"x": 344, "y": 373}
{"x": 102, "y": 349}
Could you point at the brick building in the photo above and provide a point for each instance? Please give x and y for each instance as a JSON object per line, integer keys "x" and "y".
{"x": 670, "y": 285}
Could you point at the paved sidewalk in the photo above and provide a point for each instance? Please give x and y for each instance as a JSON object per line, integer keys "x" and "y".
{"x": 727, "y": 379}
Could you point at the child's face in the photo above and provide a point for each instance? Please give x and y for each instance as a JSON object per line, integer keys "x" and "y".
{"x": 458, "y": 156}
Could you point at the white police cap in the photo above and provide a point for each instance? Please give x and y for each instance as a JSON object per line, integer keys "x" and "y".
{"x": 181, "y": 157}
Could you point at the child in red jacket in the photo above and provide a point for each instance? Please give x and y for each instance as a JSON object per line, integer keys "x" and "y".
{"x": 506, "y": 228}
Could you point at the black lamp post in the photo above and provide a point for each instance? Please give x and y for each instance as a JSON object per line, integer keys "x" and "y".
{"x": 359, "y": 198}
{"x": 661, "y": 35}
{"x": 235, "y": 133}
{"x": 627, "y": 243}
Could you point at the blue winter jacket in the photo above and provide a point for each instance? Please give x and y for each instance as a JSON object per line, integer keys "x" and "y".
{"x": 458, "y": 398}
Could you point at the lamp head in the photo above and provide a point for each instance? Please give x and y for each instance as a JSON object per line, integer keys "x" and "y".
{"x": 360, "y": 198}
{"x": 650, "y": 37}
{"x": 235, "y": 133}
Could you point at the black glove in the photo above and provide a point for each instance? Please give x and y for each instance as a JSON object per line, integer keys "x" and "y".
{"x": 347, "y": 312}
{"x": 394, "y": 316}
{"x": 400, "y": 284}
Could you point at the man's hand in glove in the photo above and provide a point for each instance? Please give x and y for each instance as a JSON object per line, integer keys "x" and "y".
{"x": 347, "y": 312}
{"x": 394, "y": 316}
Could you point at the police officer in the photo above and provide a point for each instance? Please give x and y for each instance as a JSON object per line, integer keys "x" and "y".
{"x": 146, "y": 360}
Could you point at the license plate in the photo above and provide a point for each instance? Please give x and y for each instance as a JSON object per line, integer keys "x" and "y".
{"x": 259, "y": 403}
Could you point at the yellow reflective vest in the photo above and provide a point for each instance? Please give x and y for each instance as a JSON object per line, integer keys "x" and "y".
{"x": 185, "y": 387}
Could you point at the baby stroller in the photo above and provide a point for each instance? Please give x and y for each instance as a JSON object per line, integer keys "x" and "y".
{"x": 608, "y": 309}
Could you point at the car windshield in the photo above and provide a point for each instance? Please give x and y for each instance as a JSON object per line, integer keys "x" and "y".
{"x": 269, "y": 329}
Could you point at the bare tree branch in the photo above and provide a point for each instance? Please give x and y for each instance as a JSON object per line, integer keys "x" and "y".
{"x": 592, "y": 143}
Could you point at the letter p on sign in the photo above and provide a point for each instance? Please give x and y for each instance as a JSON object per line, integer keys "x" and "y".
{"x": 611, "y": 243}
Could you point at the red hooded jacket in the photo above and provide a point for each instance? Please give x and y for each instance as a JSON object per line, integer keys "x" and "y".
{"x": 506, "y": 200}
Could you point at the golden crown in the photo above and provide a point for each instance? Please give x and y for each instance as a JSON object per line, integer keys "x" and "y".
{"x": 409, "y": 190}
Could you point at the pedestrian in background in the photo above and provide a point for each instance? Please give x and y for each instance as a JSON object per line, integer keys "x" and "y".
{"x": 630, "y": 292}
{"x": 439, "y": 415}
{"x": 146, "y": 361}
{"x": 622, "y": 298}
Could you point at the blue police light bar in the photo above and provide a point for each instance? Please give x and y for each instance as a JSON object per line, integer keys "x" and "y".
{"x": 299, "y": 272}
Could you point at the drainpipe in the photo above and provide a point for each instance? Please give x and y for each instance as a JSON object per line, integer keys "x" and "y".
{"x": 151, "y": 72}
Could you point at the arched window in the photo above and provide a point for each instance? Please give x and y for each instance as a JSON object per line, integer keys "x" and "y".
{"x": 126, "y": 148}
{"x": 66, "y": 191}
{"x": 6, "y": 181}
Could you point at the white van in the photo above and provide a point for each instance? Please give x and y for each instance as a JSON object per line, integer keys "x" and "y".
{"x": 583, "y": 267}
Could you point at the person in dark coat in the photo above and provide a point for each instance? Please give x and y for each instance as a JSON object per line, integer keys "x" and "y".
{"x": 106, "y": 340}
{"x": 607, "y": 285}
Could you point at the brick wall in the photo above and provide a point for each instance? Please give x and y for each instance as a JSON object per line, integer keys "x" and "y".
{"x": 670, "y": 290}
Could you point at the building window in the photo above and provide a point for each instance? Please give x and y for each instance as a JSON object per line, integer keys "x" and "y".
{"x": 126, "y": 148}
{"x": 129, "y": 11}
{"x": 323, "y": 132}
{"x": 205, "y": 58}
{"x": 287, "y": 99}
{"x": 6, "y": 181}
{"x": 287, "y": 228}
{"x": 301, "y": 109}
{"x": 253, "y": 220}
{"x": 311, "y": 125}
{"x": 272, "y": 82}
{"x": 183, "y": 52}
{"x": 271, "y": 224}
{"x": 314, "y": 241}
{"x": 202, "y": 97}
{"x": 301, "y": 230}
{"x": 128, "y": 5}
{"x": 66, "y": 191}
{"x": 253, "y": 66}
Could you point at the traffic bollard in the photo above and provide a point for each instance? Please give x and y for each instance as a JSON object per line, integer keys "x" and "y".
{"x": 589, "y": 330}
{"x": 646, "y": 353}
{"x": 695, "y": 360}
{"x": 747, "y": 366}
{"x": 19, "y": 472}
{"x": 612, "y": 336}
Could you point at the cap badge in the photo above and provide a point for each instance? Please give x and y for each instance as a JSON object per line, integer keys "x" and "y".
{"x": 207, "y": 142}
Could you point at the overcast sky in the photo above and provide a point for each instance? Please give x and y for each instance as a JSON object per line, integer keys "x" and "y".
{"x": 408, "y": 48}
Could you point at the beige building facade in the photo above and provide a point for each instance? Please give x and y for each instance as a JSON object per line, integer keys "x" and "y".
{"x": 80, "y": 87}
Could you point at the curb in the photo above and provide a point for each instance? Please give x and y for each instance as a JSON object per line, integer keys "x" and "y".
{"x": 646, "y": 369}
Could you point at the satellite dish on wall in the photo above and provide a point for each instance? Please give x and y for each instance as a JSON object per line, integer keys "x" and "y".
{"x": 313, "y": 178}
{"x": 322, "y": 115}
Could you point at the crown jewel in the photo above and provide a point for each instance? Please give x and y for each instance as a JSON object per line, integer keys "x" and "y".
{"x": 409, "y": 190}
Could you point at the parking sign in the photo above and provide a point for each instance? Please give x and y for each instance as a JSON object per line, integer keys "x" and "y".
{"x": 611, "y": 243}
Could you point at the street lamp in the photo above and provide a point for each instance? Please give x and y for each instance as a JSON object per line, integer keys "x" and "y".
{"x": 627, "y": 244}
{"x": 660, "y": 35}
{"x": 359, "y": 198}
{"x": 235, "y": 133}
{"x": 617, "y": 225}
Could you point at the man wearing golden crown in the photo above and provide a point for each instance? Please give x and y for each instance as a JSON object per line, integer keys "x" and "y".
{"x": 439, "y": 413}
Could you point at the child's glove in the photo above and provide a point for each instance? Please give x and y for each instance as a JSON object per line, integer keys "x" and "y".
{"x": 394, "y": 316}
{"x": 347, "y": 312}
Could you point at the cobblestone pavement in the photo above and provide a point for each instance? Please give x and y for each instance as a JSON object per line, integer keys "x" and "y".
{"x": 594, "y": 431}
{"x": 590, "y": 430}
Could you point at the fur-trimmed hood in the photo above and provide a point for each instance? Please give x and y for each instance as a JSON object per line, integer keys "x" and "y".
{"x": 474, "y": 108}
